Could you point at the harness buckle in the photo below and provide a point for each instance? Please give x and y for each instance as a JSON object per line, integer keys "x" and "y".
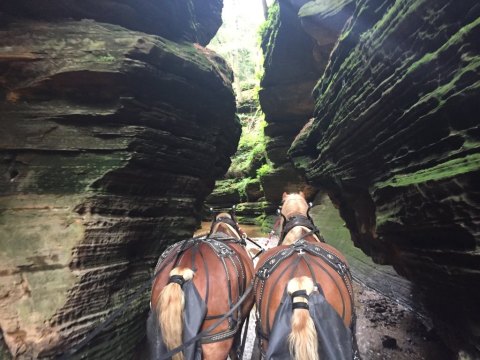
{"x": 263, "y": 273}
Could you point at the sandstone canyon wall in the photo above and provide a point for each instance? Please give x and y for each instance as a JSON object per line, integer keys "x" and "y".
{"x": 394, "y": 137}
{"x": 114, "y": 124}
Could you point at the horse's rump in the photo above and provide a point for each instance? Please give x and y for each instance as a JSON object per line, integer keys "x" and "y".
{"x": 320, "y": 262}
{"x": 221, "y": 275}
{"x": 194, "y": 313}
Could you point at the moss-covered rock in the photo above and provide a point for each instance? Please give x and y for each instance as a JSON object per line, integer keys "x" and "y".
{"x": 253, "y": 190}
{"x": 110, "y": 140}
{"x": 395, "y": 140}
{"x": 254, "y": 213}
{"x": 284, "y": 178}
{"x": 324, "y": 20}
{"x": 225, "y": 194}
{"x": 293, "y": 63}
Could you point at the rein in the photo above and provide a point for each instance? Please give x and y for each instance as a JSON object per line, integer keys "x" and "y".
{"x": 262, "y": 249}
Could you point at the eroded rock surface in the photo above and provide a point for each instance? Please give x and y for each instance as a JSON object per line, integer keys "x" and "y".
{"x": 177, "y": 20}
{"x": 296, "y": 52}
{"x": 395, "y": 140}
{"x": 110, "y": 139}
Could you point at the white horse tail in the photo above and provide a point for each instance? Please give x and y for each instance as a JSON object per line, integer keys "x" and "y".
{"x": 170, "y": 308}
{"x": 302, "y": 341}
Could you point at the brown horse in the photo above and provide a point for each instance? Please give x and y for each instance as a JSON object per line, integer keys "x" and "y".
{"x": 220, "y": 270}
{"x": 303, "y": 293}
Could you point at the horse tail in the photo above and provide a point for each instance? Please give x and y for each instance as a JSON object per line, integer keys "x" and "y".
{"x": 302, "y": 341}
{"x": 170, "y": 309}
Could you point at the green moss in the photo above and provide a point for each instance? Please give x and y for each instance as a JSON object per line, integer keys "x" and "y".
{"x": 302, "y": 162}
{"x": 445, "y": 170}
{"x": 457, "y": 38}
{"x": 242, "y": 186}
{"x": 70, "y": 174}
{"x": 44, "y": 301}
{"x": 268, "y": 30}
{"x": 43, "y": 245}
{"x": 266, "y": 222}
{"x": 225, "y": 186}
{"x": 251, "y": 149}
{"x": 106, "y": 58}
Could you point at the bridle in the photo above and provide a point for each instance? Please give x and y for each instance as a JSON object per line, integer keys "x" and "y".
{"x": 232, "y": 221}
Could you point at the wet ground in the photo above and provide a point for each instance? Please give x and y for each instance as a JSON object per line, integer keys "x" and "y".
{"x": 387, "y": 330}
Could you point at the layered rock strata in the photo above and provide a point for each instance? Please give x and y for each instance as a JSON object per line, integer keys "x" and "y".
{"x": 110, "y": 139}
{"x": 395, "y": 141}
{"x": 293, "y": 63}
{"x": 176, "y": 20}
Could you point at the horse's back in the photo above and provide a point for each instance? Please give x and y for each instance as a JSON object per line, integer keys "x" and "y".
{"x": 335, "y": 287}
{"x": 212, "y": 272}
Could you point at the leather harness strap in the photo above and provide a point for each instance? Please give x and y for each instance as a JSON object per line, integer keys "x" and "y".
{"x": 298, "y": 220}
{"x": 220, "y": 247}
{"x": 301, "y": 247}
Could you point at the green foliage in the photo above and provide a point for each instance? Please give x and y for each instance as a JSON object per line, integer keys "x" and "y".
{"x": 251, "y": 148}
{"x": 267, "y": 31}
{"x": 242, "y": 186}
{"x": 236, "y": 41}
{"x": 264, "y": 170}
{"x": 268, "y": 25}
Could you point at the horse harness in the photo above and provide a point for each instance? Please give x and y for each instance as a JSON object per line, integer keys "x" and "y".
{"x": 301, "y": 248}
{"x": 298, "y": 220}
{"x": 220, "y": 247}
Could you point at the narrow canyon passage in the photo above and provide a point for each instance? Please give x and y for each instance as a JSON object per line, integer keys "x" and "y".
{"x": 123, "y": 121}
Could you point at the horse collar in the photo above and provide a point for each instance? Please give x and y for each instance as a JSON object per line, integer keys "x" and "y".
{"x": 224, "y": 220}
{"x": 296, "y": 220}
